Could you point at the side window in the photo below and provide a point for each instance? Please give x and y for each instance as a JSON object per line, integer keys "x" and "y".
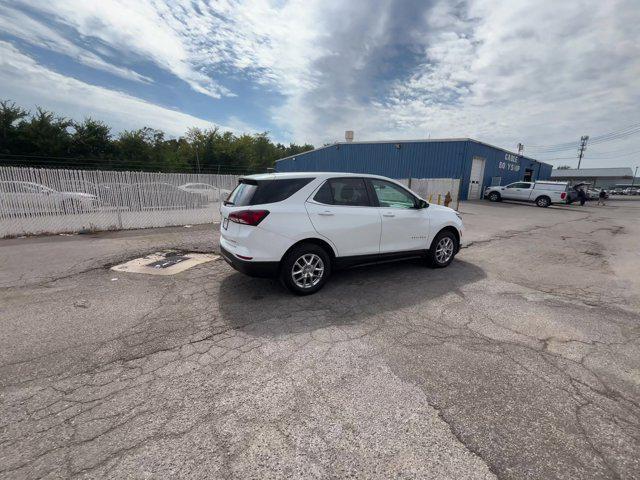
{"x": 519, "y": 185}
{"x": 324, "y": 195}
{"x": 392, "y": 196}
{"x": 343, "y": 191}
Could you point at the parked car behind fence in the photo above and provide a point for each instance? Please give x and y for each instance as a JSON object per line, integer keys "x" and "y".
{"x": 28, "y": 198}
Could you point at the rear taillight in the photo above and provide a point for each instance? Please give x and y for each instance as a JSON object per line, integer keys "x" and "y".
{"x": 563, "y": 195}
{"x": 248, "y": 217}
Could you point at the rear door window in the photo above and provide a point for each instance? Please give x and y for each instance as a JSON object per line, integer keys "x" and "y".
{"x": 258, "y": 192}
{"x": 350, "y": 192}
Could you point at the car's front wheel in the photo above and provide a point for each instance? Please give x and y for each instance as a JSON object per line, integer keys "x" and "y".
{"x": 305, "y": 269}
{"x": 494, "y": 197}
{"x": 443, "y": 249}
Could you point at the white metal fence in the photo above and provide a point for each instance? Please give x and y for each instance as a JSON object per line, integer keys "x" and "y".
{"x": 434, "y": 190}
{"x": 35, "y": 201}
{"x": 39, "y": 200}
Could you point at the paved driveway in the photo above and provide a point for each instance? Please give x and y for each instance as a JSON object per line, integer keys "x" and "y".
{"x": 520, "y": 360}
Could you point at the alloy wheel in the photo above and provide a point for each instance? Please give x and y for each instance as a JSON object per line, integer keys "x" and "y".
{"x": 307, "y": 270}
{"x": 444, "y": 250}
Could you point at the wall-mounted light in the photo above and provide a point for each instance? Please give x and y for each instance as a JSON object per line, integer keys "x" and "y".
{"x": 397, "y": 145}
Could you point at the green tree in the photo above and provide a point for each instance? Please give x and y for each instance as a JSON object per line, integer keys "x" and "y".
{"x": 10, "y": 115}
{"x": 44, "y": 134}
{"x": 91, "y": 143}
{"x": 91, "y": 139}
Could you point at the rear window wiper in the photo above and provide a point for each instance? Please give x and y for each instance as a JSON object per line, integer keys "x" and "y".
{"x": 227, "y": 202}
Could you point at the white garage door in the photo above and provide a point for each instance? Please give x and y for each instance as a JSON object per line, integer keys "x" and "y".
{"x": 475, "y": 179}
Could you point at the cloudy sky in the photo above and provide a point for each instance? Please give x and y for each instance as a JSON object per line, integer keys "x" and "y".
{"x": 539, "y": 72}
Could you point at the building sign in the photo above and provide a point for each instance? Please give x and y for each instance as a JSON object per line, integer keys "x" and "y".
{"x": 511, "y": 163}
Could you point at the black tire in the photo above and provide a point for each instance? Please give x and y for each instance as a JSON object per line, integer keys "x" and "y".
{"x": 494, "y": 197}
{"x": 298, "y": 255}
{"x": 543, "y": 202}
{"x": 434, "y": 257}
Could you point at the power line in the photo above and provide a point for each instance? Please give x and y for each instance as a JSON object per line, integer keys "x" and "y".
{"x": 603, "y": 138}
{"x": 107, "y": 163}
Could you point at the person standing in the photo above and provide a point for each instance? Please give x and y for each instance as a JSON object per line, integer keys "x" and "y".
{"x": 582, "y": 195}
{"x": 602, "y": 196}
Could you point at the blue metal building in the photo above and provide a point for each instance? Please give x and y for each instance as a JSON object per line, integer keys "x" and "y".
{"x": 477, "y": 164}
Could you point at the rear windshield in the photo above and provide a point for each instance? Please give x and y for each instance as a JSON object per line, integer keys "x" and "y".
{"x": 252, "y": 192}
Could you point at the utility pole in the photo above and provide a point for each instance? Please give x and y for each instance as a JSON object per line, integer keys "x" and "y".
{"x": 635, "y": 174}
{"x": 582, "y": 148}
{"x": 198, "y": 163}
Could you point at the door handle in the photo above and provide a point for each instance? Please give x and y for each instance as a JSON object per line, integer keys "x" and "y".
{"x": 326, "y": 213}
{"x": 388, "y": 214}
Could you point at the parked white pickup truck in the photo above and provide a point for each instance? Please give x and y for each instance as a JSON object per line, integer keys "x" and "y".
{"x": 541, "y": 192}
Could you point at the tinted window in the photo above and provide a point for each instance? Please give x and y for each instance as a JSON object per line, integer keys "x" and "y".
{"x": 343, "y": 191}
{"x": 392, "y": 196}
{"x": 324, "y": 195}
{"x": 251, "y": 192}
{"x": 519, "y": 185}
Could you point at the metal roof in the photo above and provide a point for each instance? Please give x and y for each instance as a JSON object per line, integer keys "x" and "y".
{"x": 420, "y": 140}
{"x": 592, "y": 172}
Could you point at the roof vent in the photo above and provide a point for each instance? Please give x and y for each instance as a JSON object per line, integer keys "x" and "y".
{"x": 348, "y": 135}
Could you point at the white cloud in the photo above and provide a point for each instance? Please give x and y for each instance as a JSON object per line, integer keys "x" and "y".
{"x": 142, "y": 30}
{"x": 24, "y": 27}
{"x": 538, "y": 72}
{"x": 31, "y": 83}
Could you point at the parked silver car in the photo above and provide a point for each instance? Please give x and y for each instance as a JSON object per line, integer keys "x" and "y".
{"x": 210, "y": 192}
{"x": 28, "y": 198}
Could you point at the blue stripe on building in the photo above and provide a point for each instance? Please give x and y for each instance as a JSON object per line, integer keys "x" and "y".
{"x": 419, "y": 159}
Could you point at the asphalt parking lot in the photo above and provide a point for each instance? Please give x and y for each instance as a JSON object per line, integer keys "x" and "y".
{"x": 520, "y": 360}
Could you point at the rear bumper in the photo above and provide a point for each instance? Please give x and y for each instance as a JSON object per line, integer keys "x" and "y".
{"x": 253, "y": 269}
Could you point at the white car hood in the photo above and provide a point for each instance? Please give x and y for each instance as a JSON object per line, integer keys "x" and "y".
{"x": 435, "y": 206}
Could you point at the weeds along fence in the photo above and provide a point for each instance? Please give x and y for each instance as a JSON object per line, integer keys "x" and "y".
{"x": 39, "y": 200}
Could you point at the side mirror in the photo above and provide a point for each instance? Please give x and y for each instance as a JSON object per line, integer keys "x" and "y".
{"x": 422, "y": 204}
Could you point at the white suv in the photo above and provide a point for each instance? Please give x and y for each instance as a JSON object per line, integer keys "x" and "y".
{"x": 301, "y": 226}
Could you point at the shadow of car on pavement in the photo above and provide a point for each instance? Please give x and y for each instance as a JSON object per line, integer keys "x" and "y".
{"x": 263, "y": 307}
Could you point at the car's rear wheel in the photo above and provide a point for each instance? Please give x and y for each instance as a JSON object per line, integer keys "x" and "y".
{"x": 305, "y": 269}
{"x": 443, "y": 249}
{"x": 494, "y": 197}
{"x": 543, "y": 202}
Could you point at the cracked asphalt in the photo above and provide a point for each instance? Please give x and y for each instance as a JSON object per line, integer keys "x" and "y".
{"x": 520, "y": 360}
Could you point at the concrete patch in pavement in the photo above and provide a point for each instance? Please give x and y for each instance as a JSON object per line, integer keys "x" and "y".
{"x": 168, "y": 262}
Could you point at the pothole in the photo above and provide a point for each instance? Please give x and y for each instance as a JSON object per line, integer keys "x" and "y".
{"x": 167, "y": 262}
